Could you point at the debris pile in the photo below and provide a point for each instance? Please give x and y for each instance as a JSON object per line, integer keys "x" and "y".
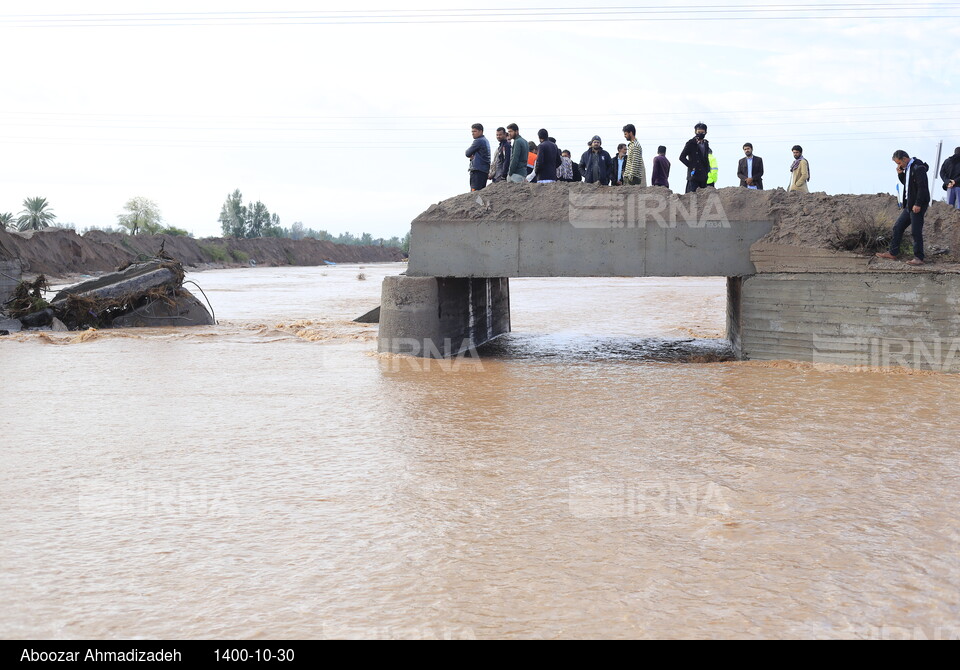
{"x": 142, "y": 294}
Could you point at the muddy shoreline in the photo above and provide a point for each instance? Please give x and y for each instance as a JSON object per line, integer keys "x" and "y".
{"x": 63, "y": 254}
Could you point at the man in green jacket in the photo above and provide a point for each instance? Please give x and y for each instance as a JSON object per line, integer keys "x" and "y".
{"x": 517, "y": 172}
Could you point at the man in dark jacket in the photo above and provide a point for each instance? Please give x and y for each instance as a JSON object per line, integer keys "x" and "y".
{"x": 914, "y": 199}
{"x": 694, "y": 156}
{"x": 479, "y": 155}
{"x": 619, "y": 165}
{"x": 660, "y": 175}
{"x": 950, "y": 174}
{"x": 750, "y": 169}
{"x": 548, "y": 159}
{"x": 596, "y": 164}
{"x": 517, "y": 169}
{"x": 501, "y": 158}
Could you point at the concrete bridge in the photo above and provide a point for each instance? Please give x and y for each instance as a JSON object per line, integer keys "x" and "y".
{"x": 782, "y": 302}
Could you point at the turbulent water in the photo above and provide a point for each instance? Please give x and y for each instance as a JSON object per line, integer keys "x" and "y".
{"x": 588, "y": 475}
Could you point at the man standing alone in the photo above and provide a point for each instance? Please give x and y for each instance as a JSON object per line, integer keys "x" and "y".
{"x": 694, "y": 156}
{"x": 661, "y": 168}
{"x": 950, "y": 174}
{"x": 517, "y": 171}
{"x": 914, "y": 199}
{"x": 799, "y": 171}
{"x": 635, "y": 174}
{"x": 479, "y": 155}
{"x": 750, "y": 169}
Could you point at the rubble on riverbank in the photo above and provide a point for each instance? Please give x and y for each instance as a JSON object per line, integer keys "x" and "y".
{"x": 142, "y": 294}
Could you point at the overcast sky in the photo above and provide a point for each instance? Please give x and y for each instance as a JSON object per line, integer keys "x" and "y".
{"x": 357, "y": 119}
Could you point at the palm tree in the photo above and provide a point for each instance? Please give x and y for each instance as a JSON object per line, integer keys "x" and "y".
{"x": 6, "y": 219}
{"x": 35, "y": 214}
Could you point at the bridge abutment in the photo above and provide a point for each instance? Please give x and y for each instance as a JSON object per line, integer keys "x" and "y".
{"x": 864, "y": 319}
{"x": 440, "y": 317}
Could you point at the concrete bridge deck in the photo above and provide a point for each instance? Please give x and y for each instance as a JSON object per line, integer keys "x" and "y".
{"x": 554, "y": 249}
{"x": 604, "y": 232}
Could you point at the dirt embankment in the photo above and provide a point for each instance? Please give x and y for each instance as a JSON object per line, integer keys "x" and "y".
{"x": 811, "y": 220}
{"x": 59, "y": 252}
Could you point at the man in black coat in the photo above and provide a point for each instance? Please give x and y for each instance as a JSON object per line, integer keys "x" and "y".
{"x": 694, "y": 156}
{"x": 596, "y": 164}
{"x": 950, "y": 174}
{"x": 914, "y": 199}
{"x": 501, "y": 158}
{"x": 750, "y": 169}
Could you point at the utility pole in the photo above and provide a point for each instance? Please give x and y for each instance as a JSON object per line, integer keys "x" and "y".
{"x": 936, "y": 170}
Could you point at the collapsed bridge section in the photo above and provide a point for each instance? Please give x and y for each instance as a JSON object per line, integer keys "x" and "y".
{"x": 788, "y": 259}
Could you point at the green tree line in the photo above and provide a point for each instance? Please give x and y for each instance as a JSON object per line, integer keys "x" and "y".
{"x": 142, "y": 216}
{"x": 240, "y": 220}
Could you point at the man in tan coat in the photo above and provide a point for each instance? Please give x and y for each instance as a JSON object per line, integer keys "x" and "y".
{"x": 799, "y": 171}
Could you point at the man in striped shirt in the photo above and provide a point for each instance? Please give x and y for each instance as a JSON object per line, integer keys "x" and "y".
{"x": 634, "y": 174}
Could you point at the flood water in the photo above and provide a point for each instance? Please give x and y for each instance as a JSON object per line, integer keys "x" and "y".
{"x": 274, "y": 477}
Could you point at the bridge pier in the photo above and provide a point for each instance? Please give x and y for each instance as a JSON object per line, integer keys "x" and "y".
{"x": 735, "y": 315}
{"x": 440, "y": 317}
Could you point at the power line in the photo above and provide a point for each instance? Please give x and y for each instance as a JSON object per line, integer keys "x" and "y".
{"x": 860, "y": 17}
{"x": 435, "y": 129}
{"x": 494, "y": 11}
{"x": 744, "y": 7}
{"x": 835, "y": 138}
{"x": 623, "y": 115}
{"x": 488, "y": 15}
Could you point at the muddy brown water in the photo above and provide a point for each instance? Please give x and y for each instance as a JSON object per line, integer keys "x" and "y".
{"x": 273, "y": 477}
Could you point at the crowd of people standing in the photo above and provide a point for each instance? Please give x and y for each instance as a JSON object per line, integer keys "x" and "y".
{"x": 517, "y": 160}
